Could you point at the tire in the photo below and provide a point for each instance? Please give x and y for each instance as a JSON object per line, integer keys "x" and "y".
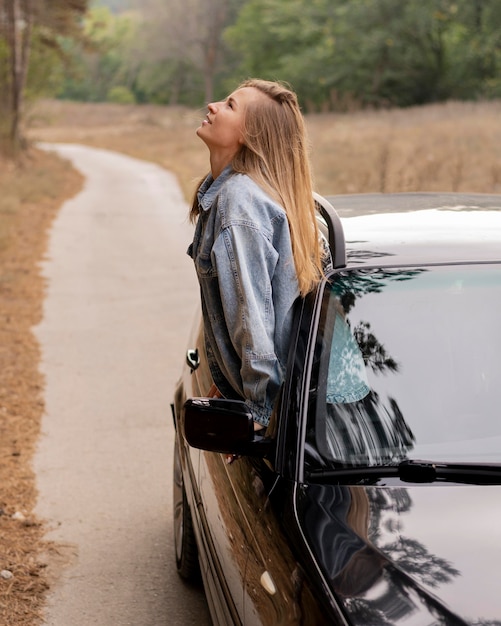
{"x": 184, "y": 537}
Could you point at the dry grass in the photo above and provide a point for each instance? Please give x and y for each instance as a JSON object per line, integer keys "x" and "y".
{"x": 30, "y": 195}
{"x": 452, "y": 147}
{"x": 447, "y": 147}
{"x": 162, "y": 135}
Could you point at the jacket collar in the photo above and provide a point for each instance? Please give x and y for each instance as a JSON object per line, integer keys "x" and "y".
{"x": 210, "y": 187}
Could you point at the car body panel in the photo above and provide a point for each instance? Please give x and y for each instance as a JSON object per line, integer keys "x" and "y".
{"x": 259, "y": 566}
{"x": 402, "y": 551}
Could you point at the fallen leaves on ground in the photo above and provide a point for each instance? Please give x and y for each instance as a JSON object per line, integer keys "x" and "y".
{"x": 33, "y": 192}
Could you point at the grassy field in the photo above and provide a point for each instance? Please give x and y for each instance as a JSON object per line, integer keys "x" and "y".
{"x": 448, "y": 147}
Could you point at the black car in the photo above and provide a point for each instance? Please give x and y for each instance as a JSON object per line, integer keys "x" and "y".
{"x": 375, "y": 496}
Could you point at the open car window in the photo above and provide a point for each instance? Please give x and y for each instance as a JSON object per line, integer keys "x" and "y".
{"x": 407, "y": 366}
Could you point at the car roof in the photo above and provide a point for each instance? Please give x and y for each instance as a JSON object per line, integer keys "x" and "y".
{"x": 419, "y": 228}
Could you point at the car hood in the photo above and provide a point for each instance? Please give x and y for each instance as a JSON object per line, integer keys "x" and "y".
{"x": 407, "y": 555}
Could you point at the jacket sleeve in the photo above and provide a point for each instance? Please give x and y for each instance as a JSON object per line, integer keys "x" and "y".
{"x": 245, "y": 260}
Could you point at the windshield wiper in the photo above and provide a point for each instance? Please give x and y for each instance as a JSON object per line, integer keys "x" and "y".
{"x": 414, "y": 471}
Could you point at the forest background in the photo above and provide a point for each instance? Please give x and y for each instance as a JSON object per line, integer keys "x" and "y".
{"x": 339, "y": 55}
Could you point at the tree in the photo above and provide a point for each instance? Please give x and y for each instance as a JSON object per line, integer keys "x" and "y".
{"x": 475, "y": 50}
{"x": 20, "y": 22}
{"x": 104, "y": 59}
{"x": 185, "y": 46}
{"x": 288, "y": 40}
{"x": 372, "y": 52}
{"x": 18, "y": 16}
{"x": 164, "y": 51}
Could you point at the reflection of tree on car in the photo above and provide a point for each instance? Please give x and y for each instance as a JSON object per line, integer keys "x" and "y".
{"x": 250, "y": 550}
{"x": 358, "y": 427}
{"x": 366, "y": 432}
{"x": 344, "y": 529}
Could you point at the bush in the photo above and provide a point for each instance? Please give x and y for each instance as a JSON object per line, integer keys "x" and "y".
{"x": 120, "y": 95}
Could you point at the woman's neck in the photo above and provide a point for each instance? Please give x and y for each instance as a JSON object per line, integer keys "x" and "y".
{"x": 218, "y": 164}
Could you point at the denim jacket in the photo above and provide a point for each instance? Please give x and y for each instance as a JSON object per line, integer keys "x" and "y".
{"x": 243, "y": 258}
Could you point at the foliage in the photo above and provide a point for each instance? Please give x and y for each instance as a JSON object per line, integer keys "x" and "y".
{"x": 164, "y": 51}
{"x": 116, "y": 6}
{"x": 29, "y": 50}
{"x": 372, "y": 52}
{"x": 120, "y": 95}
{"x": 337, "y": 54}
{"x": 103, "y": 58}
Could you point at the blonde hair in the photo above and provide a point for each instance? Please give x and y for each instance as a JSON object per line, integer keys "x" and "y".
{"x": 275, "y": 155}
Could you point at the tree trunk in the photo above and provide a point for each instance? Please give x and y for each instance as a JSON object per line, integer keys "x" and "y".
{"x": 17, "y": 18}
{"x": 19, "y": 25}
{"x": 209, "y": 68}
{"x": 217, "y": 12}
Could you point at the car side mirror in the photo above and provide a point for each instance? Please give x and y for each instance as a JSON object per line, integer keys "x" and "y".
{"x": 222, "y": 425}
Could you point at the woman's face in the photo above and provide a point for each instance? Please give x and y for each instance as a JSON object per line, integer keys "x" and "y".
{"x": 222, "y": 128}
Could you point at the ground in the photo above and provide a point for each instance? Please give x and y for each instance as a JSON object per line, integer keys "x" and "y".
{"x": 32, "y": 193}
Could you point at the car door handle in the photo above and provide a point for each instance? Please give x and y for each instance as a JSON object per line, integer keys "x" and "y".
{"x": 193, "y": 359}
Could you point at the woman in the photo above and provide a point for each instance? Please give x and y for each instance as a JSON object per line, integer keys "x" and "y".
{"x": 256, "y": 246}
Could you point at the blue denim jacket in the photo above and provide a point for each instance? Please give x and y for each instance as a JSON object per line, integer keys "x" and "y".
{"x": 243, "y": 257}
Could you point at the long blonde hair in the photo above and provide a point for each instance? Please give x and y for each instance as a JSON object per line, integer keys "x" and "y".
{"x": 275, "y": 155}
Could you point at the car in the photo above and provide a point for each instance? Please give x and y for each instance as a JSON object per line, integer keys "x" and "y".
{"x": 374, "y": 497}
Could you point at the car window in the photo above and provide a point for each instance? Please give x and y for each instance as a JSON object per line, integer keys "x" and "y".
{"x": 408, "y": 367}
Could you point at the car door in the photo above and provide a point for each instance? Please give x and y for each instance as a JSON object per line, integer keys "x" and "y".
{"x": 223, "y": 580}
{"x": 265, "y": 583}
{"x": 252, "y": 564}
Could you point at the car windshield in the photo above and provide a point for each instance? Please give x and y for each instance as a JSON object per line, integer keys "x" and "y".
{"x": 407, "y": 365}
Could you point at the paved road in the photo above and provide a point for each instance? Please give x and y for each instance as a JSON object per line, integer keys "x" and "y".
{"x": 119, "y": 305}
